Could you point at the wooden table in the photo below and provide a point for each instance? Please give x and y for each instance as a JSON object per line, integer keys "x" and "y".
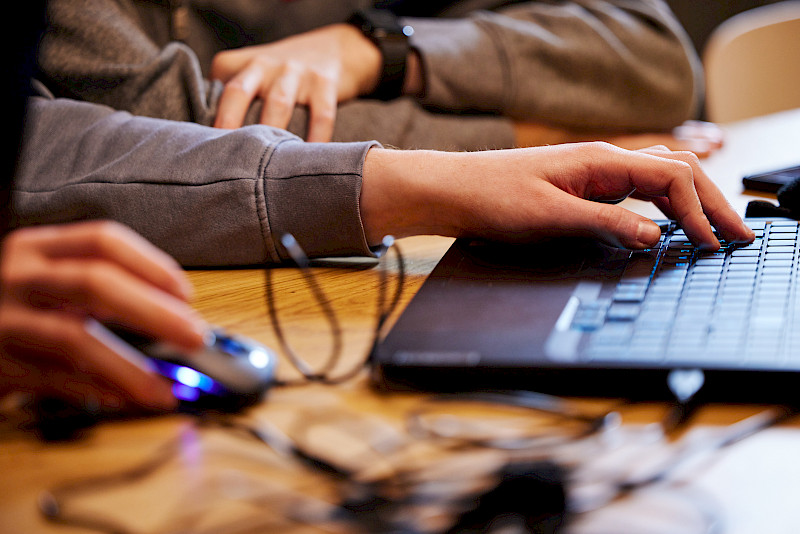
{"x": 754, "y": 483}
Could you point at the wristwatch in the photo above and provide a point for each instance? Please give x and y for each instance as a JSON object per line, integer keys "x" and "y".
{"x": 384, "y": 29}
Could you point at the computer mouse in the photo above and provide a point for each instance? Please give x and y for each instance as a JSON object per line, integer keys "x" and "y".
{"x": 228, "y": 373}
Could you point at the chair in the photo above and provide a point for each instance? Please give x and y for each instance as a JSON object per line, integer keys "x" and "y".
{"x": 752, "y": 63}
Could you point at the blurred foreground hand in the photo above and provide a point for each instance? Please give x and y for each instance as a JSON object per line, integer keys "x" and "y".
{"x": 58, "y": 284}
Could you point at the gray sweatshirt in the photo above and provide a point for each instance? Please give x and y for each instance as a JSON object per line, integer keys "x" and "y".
{"x": 212, "y": 197}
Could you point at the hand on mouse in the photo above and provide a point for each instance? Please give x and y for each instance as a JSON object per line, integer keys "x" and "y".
{"x": 58, "y": 283}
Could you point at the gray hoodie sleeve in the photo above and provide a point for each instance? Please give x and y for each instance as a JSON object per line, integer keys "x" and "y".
{"x": 623, "y": 64}
{"x": 123, "y": 54}
{"x": 208, "y": 197}
{"x": 608, "y": 64}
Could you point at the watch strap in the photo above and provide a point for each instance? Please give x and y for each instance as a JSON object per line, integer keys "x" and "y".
{"x": 384, "y": 29}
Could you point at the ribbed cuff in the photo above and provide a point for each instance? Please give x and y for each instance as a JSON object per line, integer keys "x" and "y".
{"x": 312, "y": 191}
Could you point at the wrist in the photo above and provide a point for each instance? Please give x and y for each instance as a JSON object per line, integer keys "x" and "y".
{"x": 362, "y": 57}
{"x": 408, "y": 192}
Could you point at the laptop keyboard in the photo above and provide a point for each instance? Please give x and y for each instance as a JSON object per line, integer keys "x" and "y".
{"x": 677, "y": 304}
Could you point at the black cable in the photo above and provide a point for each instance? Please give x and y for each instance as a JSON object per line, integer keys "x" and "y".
{"x": 383, "y": 312}
{"x": 557, "y": 407}
{"x": 300, "y": 258}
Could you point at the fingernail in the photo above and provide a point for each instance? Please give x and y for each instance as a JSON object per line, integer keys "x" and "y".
{"x": 709, "y": 247}
{"x": 648, "y": 233}
{"x": 751, "y": 235}
{"x": 744, "y": 230}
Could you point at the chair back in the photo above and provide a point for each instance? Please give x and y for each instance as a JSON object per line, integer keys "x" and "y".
{"x": 752, "y": 63}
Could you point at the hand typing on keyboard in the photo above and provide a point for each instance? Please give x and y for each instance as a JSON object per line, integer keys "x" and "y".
{"x": 678, "y": 305}
{"x": 526, "y": 194}
{"x": 673, "y": 181}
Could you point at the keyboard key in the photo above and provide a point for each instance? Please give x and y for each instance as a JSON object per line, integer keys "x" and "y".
{"x": 739, "y": 252}
{"x": 744, "y": 259}
{"x": 776, "y": 267}
{"x": 773, "y": 257}
{"x": 766, "y": 321}
{"x": 740, "y": 303}
{"x": 772, "y": 249}
{"x": 710, "y": 261}
{"x": 755, "y": 245}
{"x": 780, "y": 243}
{"x": 590, "y": 315}
{"x": 738, "y": 284}
{"x": 676, "y": 269}
{"x": 630, "y": 293}
{"x": 620, "y": 311}
{"x": 717, "y": 254}
{"x": 777, "y": 286}
{"x": 679, "y": 257}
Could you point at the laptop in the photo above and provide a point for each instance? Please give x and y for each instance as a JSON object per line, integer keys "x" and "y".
{"x": 572, "y": 316}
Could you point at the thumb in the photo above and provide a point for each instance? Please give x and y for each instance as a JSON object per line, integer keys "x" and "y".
{"x": 615, "y": 225}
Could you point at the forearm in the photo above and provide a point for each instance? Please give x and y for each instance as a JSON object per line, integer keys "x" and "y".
{"x": 488, "y": 194}
{"x": 618, "y": 65}
{"x": 206, "y": 196}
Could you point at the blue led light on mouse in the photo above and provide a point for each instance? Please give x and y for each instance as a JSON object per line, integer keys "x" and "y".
{"x": 228, "y": 373}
